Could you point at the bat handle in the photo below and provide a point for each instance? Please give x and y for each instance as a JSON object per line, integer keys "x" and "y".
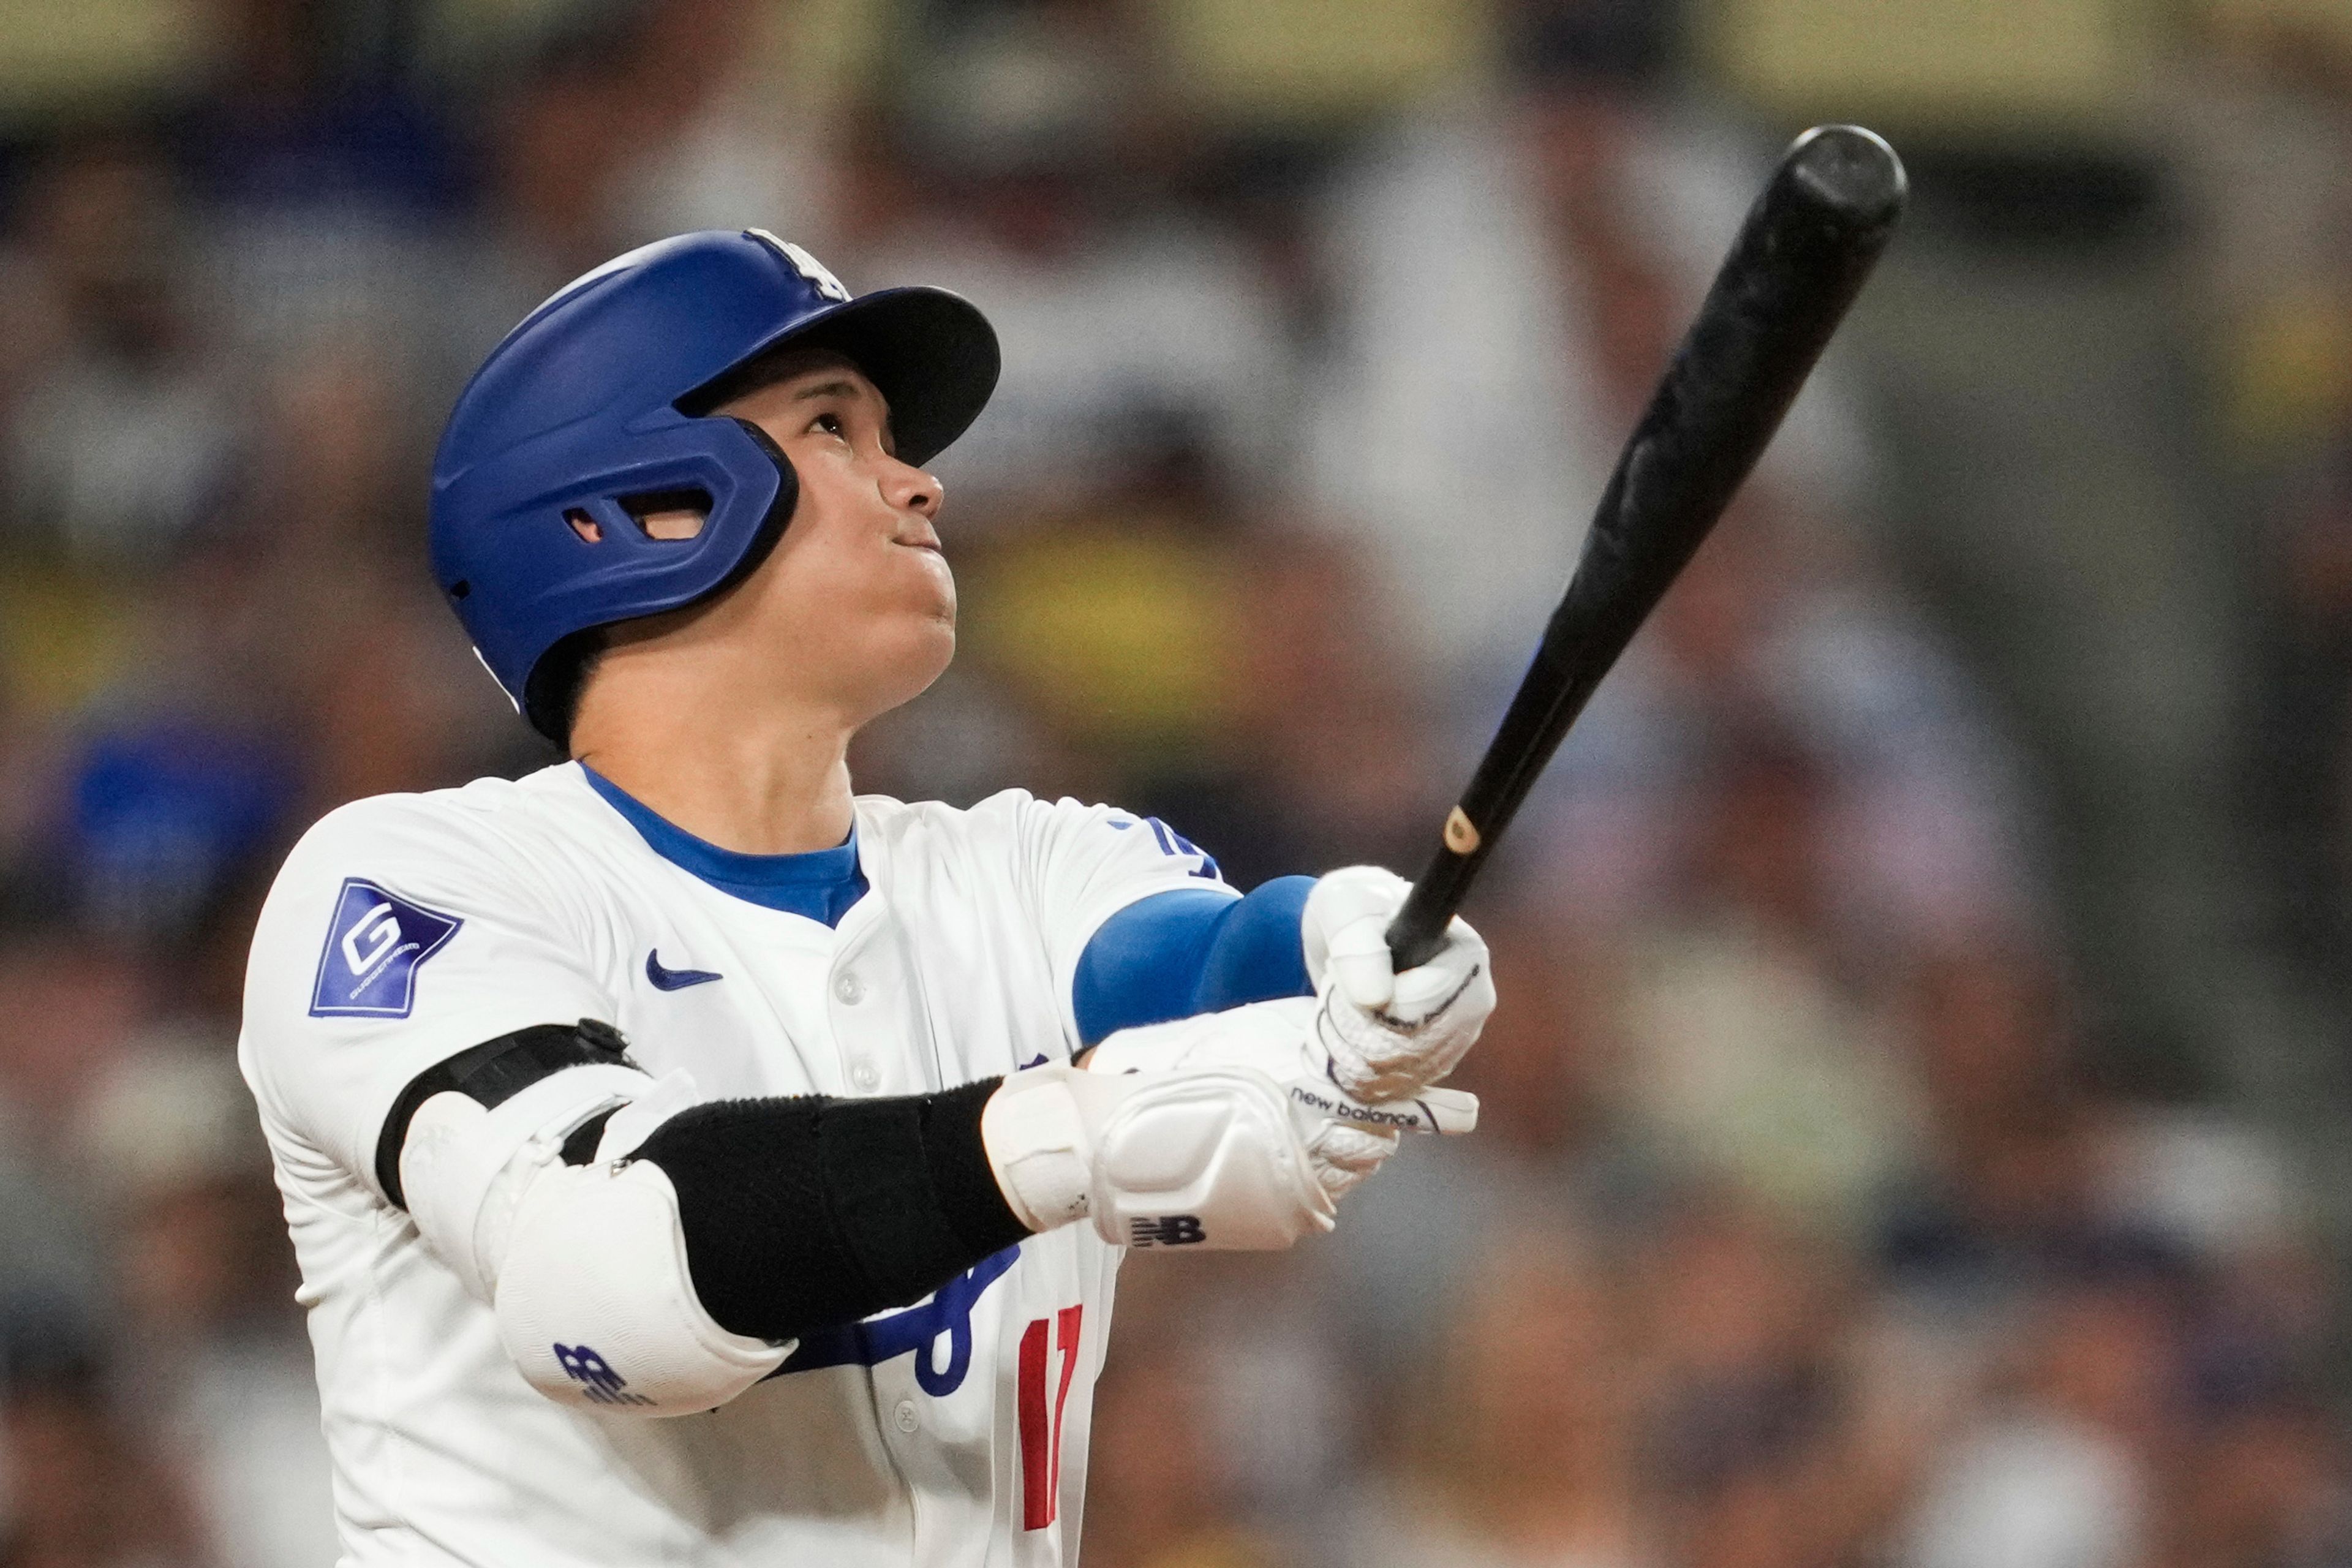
{"x": 1419, "y": 929}
{"x": 1416, "y": 933}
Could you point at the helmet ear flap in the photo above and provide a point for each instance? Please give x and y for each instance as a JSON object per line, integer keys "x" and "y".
{"x": 788, "y": 493}
{"x": 551, "y": 693}
{"x": 779, "y": 510}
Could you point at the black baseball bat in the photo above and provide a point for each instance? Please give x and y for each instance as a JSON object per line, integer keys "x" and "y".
{"x": 1801, "y": 258}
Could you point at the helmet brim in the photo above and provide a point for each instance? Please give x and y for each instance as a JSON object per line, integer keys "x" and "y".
{"x": 929, "y": 352}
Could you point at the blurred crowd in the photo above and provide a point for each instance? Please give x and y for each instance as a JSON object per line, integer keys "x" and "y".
{"x": 1820, "y": 1214}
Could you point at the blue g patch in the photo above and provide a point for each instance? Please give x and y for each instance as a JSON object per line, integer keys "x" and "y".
{"x": 373, "y": 948}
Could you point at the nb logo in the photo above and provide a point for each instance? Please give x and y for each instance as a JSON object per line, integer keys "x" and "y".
{"x": 599, "y": 1384}
{"x": 1167, "y": 1230}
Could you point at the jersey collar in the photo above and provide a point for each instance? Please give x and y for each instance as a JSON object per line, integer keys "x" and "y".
{"x": 820, "y": 885}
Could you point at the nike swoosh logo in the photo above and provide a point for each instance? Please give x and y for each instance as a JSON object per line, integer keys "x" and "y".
{"x": 1038, "y": 1063}
{"x": 676, "y": 979}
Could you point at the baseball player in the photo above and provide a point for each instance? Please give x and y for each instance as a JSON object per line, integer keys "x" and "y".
{"x": 690, "y": 1162}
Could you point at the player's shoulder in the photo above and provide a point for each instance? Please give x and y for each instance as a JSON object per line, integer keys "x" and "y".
{"x": 1009, "y": 814}
{"x": 1028, "y": 836}
{"x": 474, "y": 836}
{"x": 898, "y": 830}
{"x": 489, "y": 815}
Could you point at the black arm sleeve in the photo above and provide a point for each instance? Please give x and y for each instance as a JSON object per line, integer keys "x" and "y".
{"x": 804, "y": 1213}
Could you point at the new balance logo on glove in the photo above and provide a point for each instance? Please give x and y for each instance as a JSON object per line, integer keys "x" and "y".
{"x": 1167, "y": 1230}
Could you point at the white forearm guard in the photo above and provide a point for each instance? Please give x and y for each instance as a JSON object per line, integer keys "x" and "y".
{"x": 586, "y": 1265}
{"x": 1207, "y": 1156}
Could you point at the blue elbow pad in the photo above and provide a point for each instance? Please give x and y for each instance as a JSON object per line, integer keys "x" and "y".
{"x": 1179, "y": 954}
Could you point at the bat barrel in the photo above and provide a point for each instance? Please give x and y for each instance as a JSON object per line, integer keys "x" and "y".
{"x": 1801, "y": 258}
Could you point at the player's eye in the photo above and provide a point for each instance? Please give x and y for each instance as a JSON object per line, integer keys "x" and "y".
{"x": 830, "y": 425}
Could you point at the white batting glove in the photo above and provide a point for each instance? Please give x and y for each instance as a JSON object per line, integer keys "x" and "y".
{"x": 1346, "y": 1138}
{"x": 1388, "y": 1035}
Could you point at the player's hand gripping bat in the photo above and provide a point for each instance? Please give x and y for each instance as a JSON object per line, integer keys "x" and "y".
{"x": 1801, "y": 258}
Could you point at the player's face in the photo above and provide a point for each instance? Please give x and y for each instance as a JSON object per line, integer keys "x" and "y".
{"x": 856, "y": 597}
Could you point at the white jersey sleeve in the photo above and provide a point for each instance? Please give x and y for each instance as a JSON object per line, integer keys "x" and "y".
{"x": 1079, "y": 865}
{"x": 400, "y": 931}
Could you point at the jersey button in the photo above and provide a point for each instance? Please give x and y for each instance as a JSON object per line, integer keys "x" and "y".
{"x": 849, "y": 988}
{"x": 905, "y": 1416}
{"x": 864, "y": 1076}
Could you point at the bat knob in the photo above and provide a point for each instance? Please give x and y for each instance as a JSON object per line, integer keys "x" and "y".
{"x": 1851, "y": 171}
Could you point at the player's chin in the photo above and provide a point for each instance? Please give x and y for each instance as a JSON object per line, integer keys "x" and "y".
{"x": 936, "y": 594}
{"x": 923, "y": 623}
{"x": 915, "y": 653}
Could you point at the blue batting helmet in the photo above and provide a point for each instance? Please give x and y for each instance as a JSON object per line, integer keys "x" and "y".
{"x": 594, "y": 412}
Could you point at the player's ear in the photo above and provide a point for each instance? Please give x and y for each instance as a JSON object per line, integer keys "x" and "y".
{"x": 669, "y": 514}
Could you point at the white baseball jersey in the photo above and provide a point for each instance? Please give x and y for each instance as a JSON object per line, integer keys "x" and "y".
{"x": 405, "y": 929}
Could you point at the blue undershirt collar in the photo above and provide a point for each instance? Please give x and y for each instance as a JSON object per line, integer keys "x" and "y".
{"x": 821, "y": 885}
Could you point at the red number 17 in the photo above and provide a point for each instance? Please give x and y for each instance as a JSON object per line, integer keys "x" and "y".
{"x": 1041, "y": 1430}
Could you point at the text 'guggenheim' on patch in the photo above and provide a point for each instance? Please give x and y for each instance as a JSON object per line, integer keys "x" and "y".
{"x": 375, "y": 943}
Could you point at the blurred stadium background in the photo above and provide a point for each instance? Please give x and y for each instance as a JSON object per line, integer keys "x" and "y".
{"x": 1915, "y": 1122}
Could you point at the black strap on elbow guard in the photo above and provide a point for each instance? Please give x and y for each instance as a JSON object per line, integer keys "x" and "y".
{"x": 804, "y": 1213}
{"x": 493, "y": 1072}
